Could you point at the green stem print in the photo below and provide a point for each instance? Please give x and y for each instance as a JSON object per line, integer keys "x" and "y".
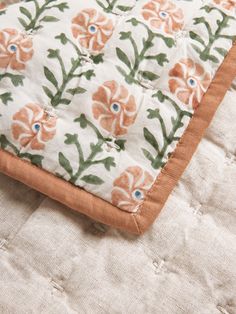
{"x": 84, "y": 163}
{"x": 34, "y": 159}
{"x": 158, "y": 161}
{"x": 134, "y": 73}
{"x": 57, "y": 97}
{"x": 206, "y": 52}
{"x": 109, "y": 6}
{"x": 32, "y": 22}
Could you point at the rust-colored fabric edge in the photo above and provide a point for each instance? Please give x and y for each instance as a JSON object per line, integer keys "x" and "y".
{"x": 100, "y": 210}
{"x": 188, "y": 143}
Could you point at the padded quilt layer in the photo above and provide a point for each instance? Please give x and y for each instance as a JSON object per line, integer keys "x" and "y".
{"x": 99, "y": 93}
{"x": 55, "y": 261}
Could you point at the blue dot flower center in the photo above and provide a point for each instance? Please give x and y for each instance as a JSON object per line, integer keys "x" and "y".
{"x": 137, "y": 194}
{"x": 13, "y": 48}
{"x": 192, "y": 82}
{"x": 92, "y": 29}
{"x": 36, "y": 127}
{"x": 115, "y": 107}
{"x": 164, "y": 14}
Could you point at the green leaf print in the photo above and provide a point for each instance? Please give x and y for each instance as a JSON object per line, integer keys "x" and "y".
{"x": 77, "y": 90}
{"x": 147, "y": 75}
{"x": 159, "y": 160}
{"x": 64, "y": 162}
{"x": 109, "y": 6}
{"x": 97, "y": 58}
{"x": 5, "y": 98}
{"x": 34, "y": 159}
{"x": 60, "y": 94}
{"x": 49, "y": 19}
{"x": 161, "y": 58}
{"x": 32, "y": 21}
{"x": 121, "y": 144}
{"x": 26, "y": 13}
{"x": 205, "y": 49}
{"x": 132, "y": 72}
{"x": 92, "y": 179}
{"x": 124, "y": 8}
{"x": 221, "y": 51}
{"x": 150, "y": 138}
{"x": 50, "y": 77}
{"x": 16, "y": 79}
{"x": 84, "y": 163}
{"x": 123, "y": 57}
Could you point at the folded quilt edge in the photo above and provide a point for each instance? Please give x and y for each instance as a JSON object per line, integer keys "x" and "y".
{"x": 100, "y": 210}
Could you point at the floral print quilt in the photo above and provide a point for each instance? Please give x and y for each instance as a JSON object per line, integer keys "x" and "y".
{"x": 99, "y": 93}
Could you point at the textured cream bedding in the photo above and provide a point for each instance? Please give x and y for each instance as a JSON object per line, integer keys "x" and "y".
{"x": 55, "y": 261}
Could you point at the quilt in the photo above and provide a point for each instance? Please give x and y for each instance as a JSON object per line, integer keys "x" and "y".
{"x": 103, "y": 104}
{"x": 54, "y": 260}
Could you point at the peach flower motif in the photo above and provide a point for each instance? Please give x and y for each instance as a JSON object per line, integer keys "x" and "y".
{"x": 33, "y": 126}
{"x": 130, "y": 188}
{"x": 15, "y": 49}
{"x": 114, "y": 108}
{"x": 92, "y": 29}
{"x": 189, "y": 82}
{"x": 226, "y": 4}
{"x": 164, "y": 15}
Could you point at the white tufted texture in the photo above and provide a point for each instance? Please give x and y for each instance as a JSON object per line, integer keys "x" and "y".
{"x": 55, "y": 261}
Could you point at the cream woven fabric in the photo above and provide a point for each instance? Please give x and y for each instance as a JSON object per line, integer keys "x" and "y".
{"x": 55, "y": 261}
